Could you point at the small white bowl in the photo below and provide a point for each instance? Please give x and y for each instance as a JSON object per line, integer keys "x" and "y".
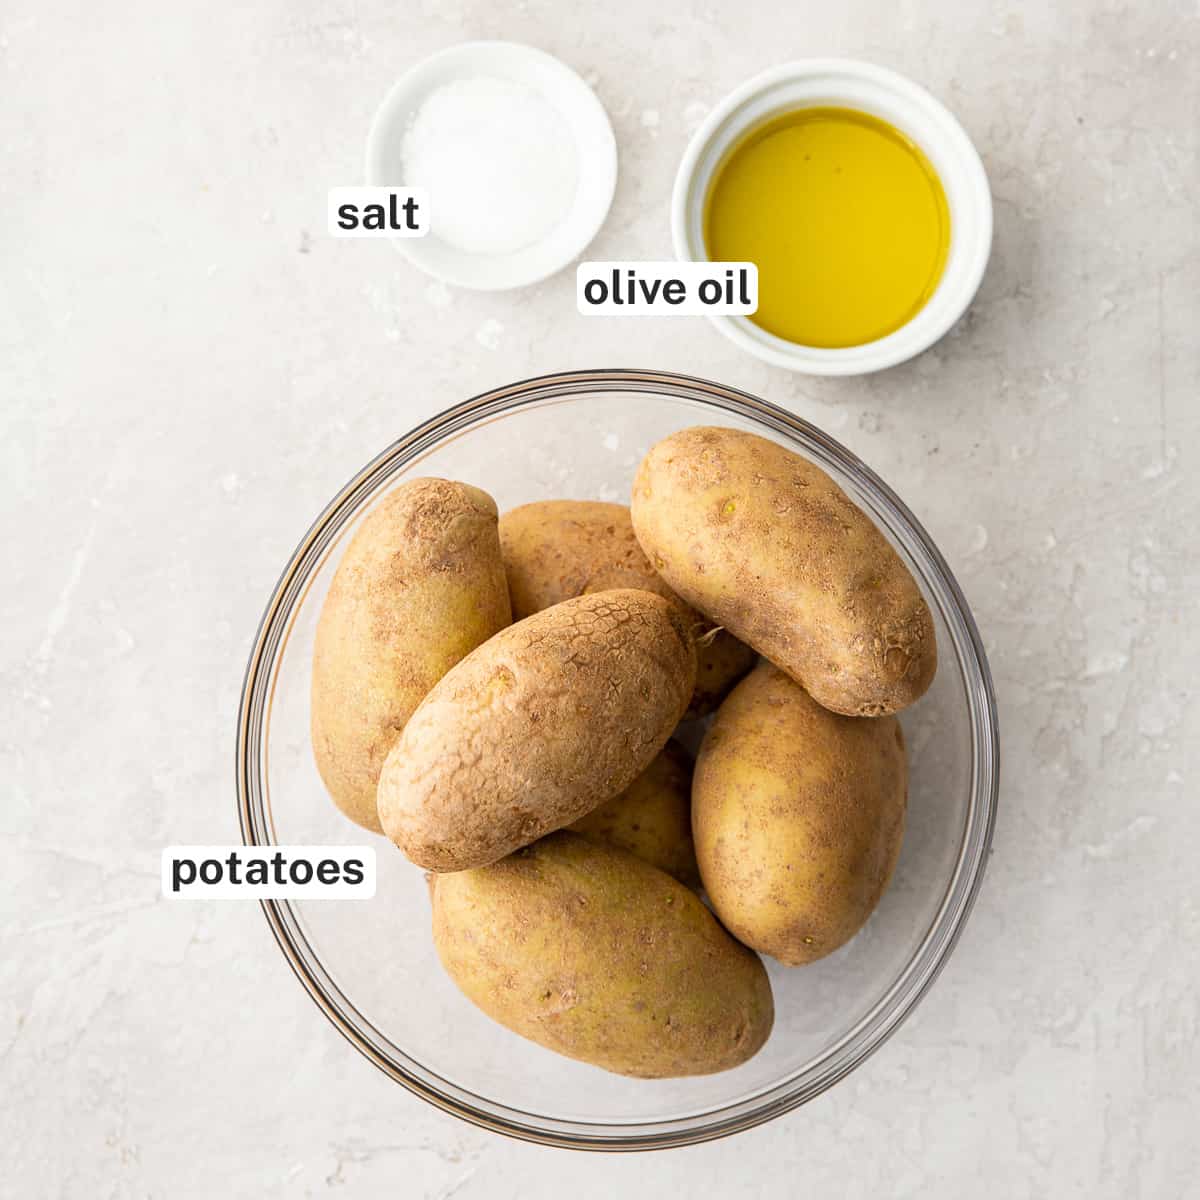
{"x": 564, "y": 91}
{"x": 858, "y": 85}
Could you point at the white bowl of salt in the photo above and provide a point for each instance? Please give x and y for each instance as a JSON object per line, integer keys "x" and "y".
{"x": 515, "y": 153}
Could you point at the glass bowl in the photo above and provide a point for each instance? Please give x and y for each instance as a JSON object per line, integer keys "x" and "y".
{"x": 371, "y": 965}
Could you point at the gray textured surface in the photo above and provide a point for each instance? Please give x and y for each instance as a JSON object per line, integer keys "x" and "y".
{"x": 189, "y": 368}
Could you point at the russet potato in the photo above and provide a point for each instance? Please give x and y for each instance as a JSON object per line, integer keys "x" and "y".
{"x": 419, "y": 586}
{"x": 765, "y": 544}
{"x": 588, "y": 951}
{"x": 550, "y": 718}
{"x": 798, "y": 817}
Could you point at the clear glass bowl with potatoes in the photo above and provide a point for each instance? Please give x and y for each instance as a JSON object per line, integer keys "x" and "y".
{"x": 681, "y": 786}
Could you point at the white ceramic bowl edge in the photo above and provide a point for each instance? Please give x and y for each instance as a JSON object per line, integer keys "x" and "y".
{"x": 912, "y": 110}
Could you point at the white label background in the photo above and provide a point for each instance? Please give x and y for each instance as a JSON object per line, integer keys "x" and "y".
{"x": 691, "y": 274}
{"x": 313, "y": 890}
{"x": 362, "y": 196}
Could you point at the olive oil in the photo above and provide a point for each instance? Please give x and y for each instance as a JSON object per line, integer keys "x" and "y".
{"x": 845, "y": 217}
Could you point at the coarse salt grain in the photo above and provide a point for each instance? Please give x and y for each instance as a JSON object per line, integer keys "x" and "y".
{"x": 498, "y": 161}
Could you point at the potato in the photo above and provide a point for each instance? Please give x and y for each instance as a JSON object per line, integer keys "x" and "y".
{"x": 591, "y": 952}
{"x": 541, "y": 724}
{"x": 556, "y": 549}
{"x": 652, "y": 817}
{"x": 764, "y": 543}
{"x": 798, "y": 816}
{"x": 420, "y": 585}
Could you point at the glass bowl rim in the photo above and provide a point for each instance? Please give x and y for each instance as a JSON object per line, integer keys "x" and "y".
{"x": 889, "y": 1010}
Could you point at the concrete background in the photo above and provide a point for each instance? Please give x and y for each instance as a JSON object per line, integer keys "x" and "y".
{"x": 189, "y": 368}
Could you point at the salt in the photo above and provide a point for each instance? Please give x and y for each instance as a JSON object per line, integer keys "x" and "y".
{"x": 498, "y": 162}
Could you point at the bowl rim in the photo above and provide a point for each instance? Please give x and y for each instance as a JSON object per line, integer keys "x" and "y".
{"x": 941, "y": 125}
{"x": 886, "y": 1014}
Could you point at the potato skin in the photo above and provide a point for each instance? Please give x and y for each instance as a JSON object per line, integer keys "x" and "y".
{"x": 763, "y": 542}
{"x": 798, "y": 816}
{"x": 556, "y": 549}
{"x": 591, "y": 952}
{"x": 652, "y": 817}
{"x": 544, "y": 722}
{"x": 420, "y": 585}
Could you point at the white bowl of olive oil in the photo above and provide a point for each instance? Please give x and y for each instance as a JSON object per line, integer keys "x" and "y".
{"x": 861, "y": 199}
